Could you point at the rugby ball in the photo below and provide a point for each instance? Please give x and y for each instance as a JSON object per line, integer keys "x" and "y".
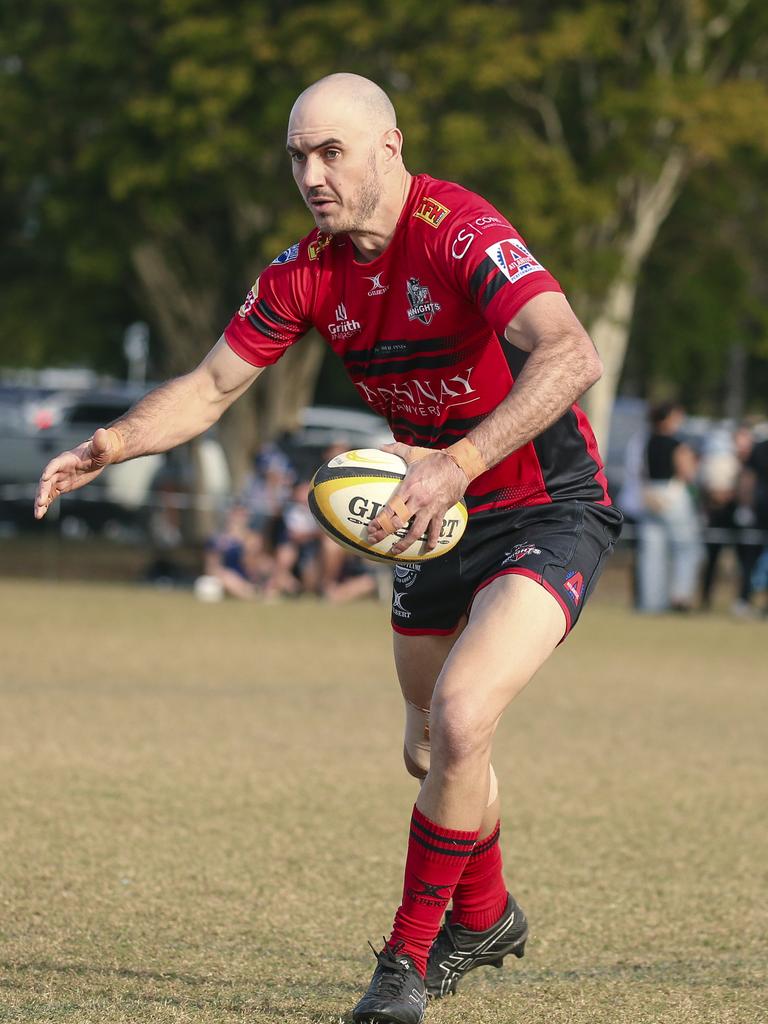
{"x": 348, "y": 493}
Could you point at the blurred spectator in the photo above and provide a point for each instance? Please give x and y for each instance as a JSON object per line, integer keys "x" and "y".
{"x": 266, "y": 491}
{"x": 344, "y": 576}
{"x": 755, "y": 498}
{"x": 237, "y": 558}
{"x": 726, "y": 517}
{"x": 297, "y": 551}
{"x": 669, "y": 535}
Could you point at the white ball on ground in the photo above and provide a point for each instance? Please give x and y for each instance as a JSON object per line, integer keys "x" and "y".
{"x": 208, "y": 589}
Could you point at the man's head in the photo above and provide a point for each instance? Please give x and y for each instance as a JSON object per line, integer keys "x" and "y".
{"x": 345, "y": 148}
{"x": 666, "y": 417}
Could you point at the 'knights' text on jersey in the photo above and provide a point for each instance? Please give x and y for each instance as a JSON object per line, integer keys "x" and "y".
{"x": 420, "y": 330}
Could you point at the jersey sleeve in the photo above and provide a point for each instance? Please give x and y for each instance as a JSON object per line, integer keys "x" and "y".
{"x": 493, "y": 267}
{"x": 276, "y": 311}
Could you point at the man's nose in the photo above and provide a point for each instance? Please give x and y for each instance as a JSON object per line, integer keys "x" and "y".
{"x": 314, "y": 173}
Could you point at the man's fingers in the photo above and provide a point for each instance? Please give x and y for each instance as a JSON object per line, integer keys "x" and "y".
{"x": 394, "y": 516}
{"x": 407, "y": 452}
{"x": 417, "y": 529}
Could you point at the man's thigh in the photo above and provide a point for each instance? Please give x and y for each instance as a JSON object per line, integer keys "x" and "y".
{"x": 513, "y": 627}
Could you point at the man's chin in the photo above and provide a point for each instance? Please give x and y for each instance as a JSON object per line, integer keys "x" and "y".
{"x": 326, "y": 222}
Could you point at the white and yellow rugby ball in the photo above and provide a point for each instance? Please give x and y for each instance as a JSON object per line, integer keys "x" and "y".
{"x": 348, "y": 493}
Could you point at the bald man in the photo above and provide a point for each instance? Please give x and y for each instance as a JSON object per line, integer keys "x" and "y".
{"x": 451, "y": 329}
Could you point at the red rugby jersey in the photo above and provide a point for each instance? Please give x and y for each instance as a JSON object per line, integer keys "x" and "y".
{"x": 420, "y": 330}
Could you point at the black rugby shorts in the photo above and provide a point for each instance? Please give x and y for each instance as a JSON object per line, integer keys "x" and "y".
{"x": 562, "y": 546}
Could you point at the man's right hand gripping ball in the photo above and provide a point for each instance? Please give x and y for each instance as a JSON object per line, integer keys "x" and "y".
{"x": 77, "y": 468}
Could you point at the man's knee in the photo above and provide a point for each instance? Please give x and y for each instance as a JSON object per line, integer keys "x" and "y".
{"x": 417, "y": 748}
{"x": 461, "y": 730}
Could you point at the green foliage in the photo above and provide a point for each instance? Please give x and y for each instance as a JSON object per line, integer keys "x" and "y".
{"x": 162, "y": 122}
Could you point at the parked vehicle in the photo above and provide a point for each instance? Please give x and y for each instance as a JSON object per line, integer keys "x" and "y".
{"x": 38, "y": 423}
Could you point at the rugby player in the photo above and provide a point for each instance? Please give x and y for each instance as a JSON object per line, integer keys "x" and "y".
{"x": 451, "y": 329}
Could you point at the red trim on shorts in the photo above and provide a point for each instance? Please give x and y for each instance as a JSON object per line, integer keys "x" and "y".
{"x": 425, "y": 632}
{"x": 537, "y": 578}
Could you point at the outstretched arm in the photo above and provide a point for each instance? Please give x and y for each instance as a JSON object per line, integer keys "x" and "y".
{"x": 173, "y": 413}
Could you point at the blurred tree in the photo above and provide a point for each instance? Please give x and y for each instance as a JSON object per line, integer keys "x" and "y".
{"x": 701, "y": 326}
{"x": 142, "y": 164}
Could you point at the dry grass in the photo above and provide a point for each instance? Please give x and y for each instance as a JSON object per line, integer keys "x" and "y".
{"x": 202, "y": 815}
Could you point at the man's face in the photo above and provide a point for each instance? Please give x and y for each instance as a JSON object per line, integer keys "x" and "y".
{"x": 335, "y": 168}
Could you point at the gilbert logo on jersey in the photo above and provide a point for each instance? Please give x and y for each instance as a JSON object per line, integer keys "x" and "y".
{"x": 420, "y": 301}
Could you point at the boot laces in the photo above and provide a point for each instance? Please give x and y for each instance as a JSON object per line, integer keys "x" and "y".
{"x": 392, "y": 973}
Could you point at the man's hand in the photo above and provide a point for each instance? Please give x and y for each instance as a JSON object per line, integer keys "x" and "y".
{"x": 432, "y": 485}
{"x": 76, "y": 468}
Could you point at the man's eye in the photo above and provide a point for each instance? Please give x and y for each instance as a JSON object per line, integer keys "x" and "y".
{"x": 297, "y": 157}
{"x": 332, "y": 153}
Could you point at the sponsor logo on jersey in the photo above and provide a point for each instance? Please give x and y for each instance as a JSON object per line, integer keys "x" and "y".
{"x": 461, "y": 243}
{"x": 406, "y": 573}
{"x": 287, "y": 256}
{"x": 513, "y": 258}
{"x": 574, "y": 584}
{"x": 397, "y": 605}
{"x": 520, "y": 551}
{"x": 377, "y": 285}
{"x": 420, "y": 301}
{"x": 431, "y": 211}
{"x": 344, "y": 326}
{"x": 315, "y": 248}
{"x": 250, "y": 300}
{"x": 486, "y": 221}
{"x": 427, "y": 396}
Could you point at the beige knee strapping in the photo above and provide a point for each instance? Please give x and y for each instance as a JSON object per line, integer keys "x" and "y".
{"x": 417, "y": 745}
{"x": 417, "y": 736}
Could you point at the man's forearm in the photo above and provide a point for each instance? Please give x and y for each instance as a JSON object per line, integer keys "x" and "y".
{"x": 555, "y": 376}
{"x": 173, "y": 413}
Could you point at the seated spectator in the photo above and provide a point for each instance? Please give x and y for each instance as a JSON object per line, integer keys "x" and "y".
{"x": 266, "y": 491}
{"x": 344, "y": 576}
{"x": 296, "y": 566}
{"x": 237, "y": 557}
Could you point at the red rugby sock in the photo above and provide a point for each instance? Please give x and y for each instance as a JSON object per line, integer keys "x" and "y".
{"x": 434, "y": 863}
{"x": 480, "y": 896}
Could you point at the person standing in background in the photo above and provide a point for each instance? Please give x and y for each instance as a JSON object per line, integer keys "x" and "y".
{"x": 669, "y": 534}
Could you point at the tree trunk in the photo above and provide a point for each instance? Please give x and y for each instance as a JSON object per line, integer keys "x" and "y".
{"x": 610, "y": 328}
{"x": 187, "y": 315}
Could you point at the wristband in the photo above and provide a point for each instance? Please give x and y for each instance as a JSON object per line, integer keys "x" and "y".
{"x": 467, "y": 458}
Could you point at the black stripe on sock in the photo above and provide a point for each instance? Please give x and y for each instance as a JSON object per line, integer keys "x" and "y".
{"x": 436, "y": 835}
{"x": 438, "y": 849}
{"x": 487, "y": 843}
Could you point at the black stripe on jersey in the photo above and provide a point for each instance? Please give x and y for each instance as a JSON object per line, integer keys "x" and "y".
{"x": 265, "y": 328}
{"x": 567, "y": 468}
{"x": 456, "y": 424}
{"x": 493, "y": 287}
{"x": 269, "y": 314}
{"x": 502, "y": 494}
{"x": 566, "y": 465}
{"x": 480, "y": 276}
{"x": 404, "y": 348}
{"x": 388, "y": 366}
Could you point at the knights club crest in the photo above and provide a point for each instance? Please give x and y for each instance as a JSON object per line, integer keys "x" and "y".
{"x": 422, "y": 307}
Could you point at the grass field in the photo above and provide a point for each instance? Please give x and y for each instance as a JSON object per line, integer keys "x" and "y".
{"x": 203, "y": 815}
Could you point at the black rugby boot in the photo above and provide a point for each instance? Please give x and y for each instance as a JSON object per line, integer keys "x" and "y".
{"x": 457, "y": 950}
{"x": 396, "y": 994}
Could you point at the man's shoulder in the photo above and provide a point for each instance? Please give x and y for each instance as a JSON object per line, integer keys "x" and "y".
{"x": 446, "y": 203}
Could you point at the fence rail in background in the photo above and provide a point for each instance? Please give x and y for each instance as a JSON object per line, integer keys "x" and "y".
{"x": 749, "y": 536}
